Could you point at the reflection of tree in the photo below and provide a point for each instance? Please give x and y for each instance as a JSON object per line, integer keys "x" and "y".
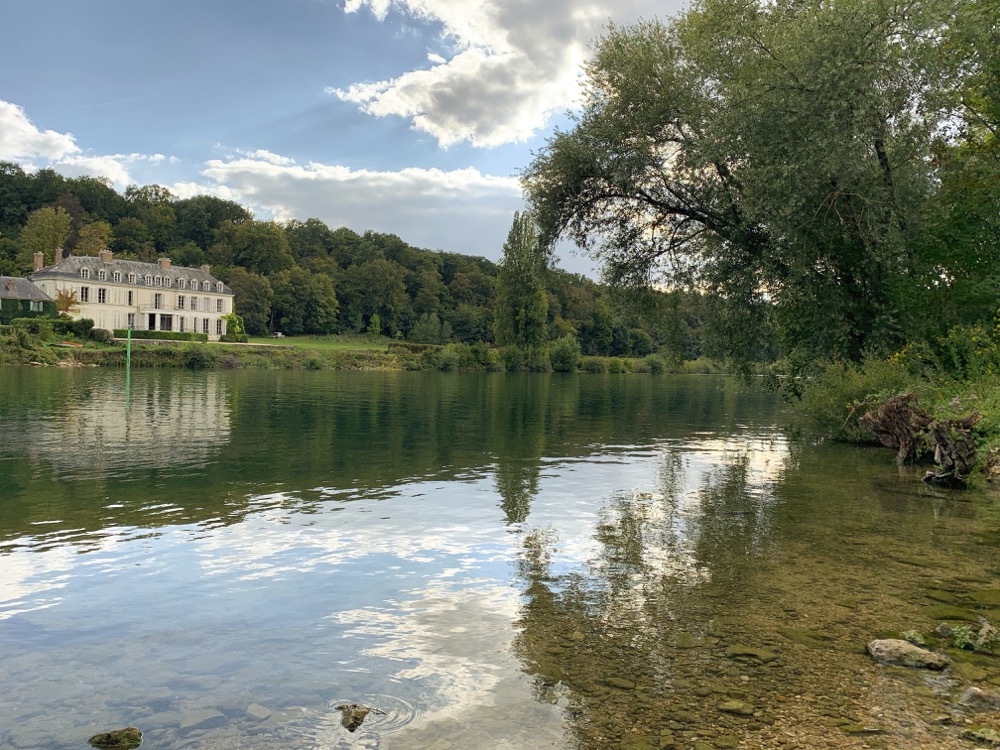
{"x": 519, "y": 417}
{"x": 622, "y": 640}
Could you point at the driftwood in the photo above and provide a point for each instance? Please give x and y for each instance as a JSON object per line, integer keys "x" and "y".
{"x": 900, "y": 423}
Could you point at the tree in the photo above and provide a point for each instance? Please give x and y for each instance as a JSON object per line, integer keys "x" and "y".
{"x": 198, "y": 218}
{"x": 46, "y": 230}
{"x": 258, "y": 246}
{"x": 304, "y": 303}
{"x": 521, "y": 303}
{"x": 375, "y": 287}
{"x": 252, "y": 299}
{"x": 777, "y": 155}
{"x": 93, "y": 238}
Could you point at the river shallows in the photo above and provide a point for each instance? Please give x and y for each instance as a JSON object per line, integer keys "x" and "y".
{"x": 493, "y": 561}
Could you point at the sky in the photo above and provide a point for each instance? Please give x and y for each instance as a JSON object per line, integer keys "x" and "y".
{"x": 412, "y": 117}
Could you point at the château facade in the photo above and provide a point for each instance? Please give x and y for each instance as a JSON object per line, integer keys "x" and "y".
{"x": 141, "y": 296}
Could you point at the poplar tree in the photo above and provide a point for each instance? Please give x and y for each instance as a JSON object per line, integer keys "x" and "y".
{"x": 521, "y": 306}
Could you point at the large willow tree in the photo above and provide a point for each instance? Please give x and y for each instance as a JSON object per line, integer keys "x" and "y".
{"x": 780, "y": 155}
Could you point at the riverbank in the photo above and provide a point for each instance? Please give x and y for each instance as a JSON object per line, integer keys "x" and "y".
{"x": 318, "y": 353}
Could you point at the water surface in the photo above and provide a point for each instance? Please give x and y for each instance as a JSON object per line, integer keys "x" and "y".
{"x": 494, "y": 561}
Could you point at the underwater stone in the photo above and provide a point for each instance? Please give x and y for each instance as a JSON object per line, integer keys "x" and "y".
{"x": 896, "y": 652}
{"x": 117, "y": 739}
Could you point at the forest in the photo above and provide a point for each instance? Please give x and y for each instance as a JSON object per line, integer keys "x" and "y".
{"x": 302, "y": 277}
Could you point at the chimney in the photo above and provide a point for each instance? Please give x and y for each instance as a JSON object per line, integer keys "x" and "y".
{"x": 107, "y": 256}
{"x": 39, "y": 261}
{"x": 58, "y": 256}
{"x": 164, "y": 263}
{"x": 206, "y": 268}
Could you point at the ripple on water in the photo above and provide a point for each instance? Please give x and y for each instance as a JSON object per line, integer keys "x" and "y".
{"x": 390, "y": 714}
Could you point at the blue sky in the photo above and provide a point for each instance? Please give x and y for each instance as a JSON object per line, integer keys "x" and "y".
{"x": 404, "y": 116}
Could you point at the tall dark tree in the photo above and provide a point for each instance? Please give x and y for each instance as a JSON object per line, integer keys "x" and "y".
{"x": 521, "y": 303}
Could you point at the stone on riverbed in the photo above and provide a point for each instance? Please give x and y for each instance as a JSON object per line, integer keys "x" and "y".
{"x": 739, "y": 651}
{"x": 980, "y": 700}
{"x": 117, "y": 739}
{"x": 900, "y": 653}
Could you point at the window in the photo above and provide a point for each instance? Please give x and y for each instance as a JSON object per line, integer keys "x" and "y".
{"x": 102, "y": 275}
{"x": 102, "y": 296}
{"x": 206, "y": 304}
{"x": 157, "y": 301}
{"x": 167, "y": 281}
{"x": 218, "y": 287}
{"x": 36, "y": 305}
{"x": 158, "y": 281}
{"x": 194, "y": 303}
{"x": 218, "y": 328}
{"x": 131, "y": 318}
{"x": 218, "y": 305}
{"x": 180, "y": 303}
{"x": 204, "y": 325}
{"x": 131, "y": 298}
{"x": 85, "y": 294}
{"x": 206, "y": 286}
{"x": 181, "y": 283}
{"x": 149, "y": 279}
{"x": 117, "y": 277}
{"x": 131, "y": 278}
{"x": 181, "y": 324}
{"x": 84, "y": 273}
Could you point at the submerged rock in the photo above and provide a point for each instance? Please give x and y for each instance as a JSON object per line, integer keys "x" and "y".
{"x": 900, "y": 653}
{"x": 984, "y": 735}
{"x": 117, "y": 739}
{"x": 353, "y": 715}
{"x": 739, "y": 651}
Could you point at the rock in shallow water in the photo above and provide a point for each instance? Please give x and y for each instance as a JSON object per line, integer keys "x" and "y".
{"x": 117, "y": 739}
{"x": 896, "y": 652}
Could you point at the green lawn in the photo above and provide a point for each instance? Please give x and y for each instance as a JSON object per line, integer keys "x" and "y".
{"x": 326, "y": 343}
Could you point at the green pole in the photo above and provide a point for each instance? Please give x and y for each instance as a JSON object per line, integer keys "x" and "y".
{"x": 128, "y": 364}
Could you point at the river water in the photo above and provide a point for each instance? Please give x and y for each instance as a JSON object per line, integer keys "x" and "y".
{"x": 491, "y": 561}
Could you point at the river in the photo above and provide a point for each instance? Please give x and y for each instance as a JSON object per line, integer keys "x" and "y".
{"x": 491, "y": 561}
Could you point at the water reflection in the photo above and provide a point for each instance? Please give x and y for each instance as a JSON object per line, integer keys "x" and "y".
{"x": 494, "y": 561}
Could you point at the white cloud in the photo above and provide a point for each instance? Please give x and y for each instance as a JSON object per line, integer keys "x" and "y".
{"x": 514, "y": 63}
{"x": 116, "y": 167}
{"x": 22, "y": 141}
{"x": 459, "y": 210}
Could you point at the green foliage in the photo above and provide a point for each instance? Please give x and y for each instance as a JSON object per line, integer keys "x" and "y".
{"x": 45, "y": 230}
{"x": 617, "y": 365}
{"x": 521, "y": 304}
{"x": 595, "y": 365}
{"x": 162, "y": 335}
{"x": 102, "y": 335}
{"x": 199, "y": 357}
{"x": 655, "y": 364}
{"x": 565, "y": 354}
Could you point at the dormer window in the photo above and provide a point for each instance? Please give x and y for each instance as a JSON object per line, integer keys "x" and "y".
{"x": 181, "y": 283}
{"x": 84, "y": 273}
{"x": 206, "y": 286}
{"x": 166, "y": 281}
{"x": 117, "y": 276}
{"x": 158, "y": 281}
{"x": 131, "y": 278}
{"x": 218, "y": 287}
{"x": 149, "y": 279}
{"x": 102, "y": 274}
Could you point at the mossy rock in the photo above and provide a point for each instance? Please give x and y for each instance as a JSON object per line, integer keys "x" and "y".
{"x": 940, "y": 595}
{"x": 808, "y": 638}
{"x": 739, "y": 651}
{"x": 982, "y": 735}
{"x": 986, "y": 597}
{"x": 950, "y": 612}
{"x": 117, "y": 739}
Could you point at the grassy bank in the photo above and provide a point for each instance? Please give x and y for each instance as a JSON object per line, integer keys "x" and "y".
{"x": 21, "y": 346}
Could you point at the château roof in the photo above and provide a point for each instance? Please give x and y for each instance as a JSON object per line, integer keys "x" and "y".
{"x": 15, "y": 287}
{"x": 70, "y": 266}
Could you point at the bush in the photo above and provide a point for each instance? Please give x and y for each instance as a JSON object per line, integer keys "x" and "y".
{"x": 314, "y": 363}
{"x": 565, "y": 354}
{"x": 537, "y": 360}
{"x": 199, "y": 357}
{"x": 616, "y": 365}
{"x": 512, "y": 358}
{"x": 162, "y": 335}
{"x": 82, "y": 327}
{"x": 234, "y": 338}
{"x": 102, "y": 335}
{"x": 595, "y": 365}
{"x": 655, "y": 364}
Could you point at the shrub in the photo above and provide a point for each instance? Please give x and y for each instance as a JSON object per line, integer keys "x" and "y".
{"x": 82, "y": 327}
{"x": 565, "y": 354}
{"x": 537, "y": 360}
{"x": 163, "y": 335}
{"x": 102, "y": 335}
{"x": 616, "y": 365}
{"x": 199, "y": 357}
{"x": 314, "y": 363}
{"x": 235, "y": 338}
{"x": 655, "y": 364}
{"x": 512, "y": 358}
{"x": 595, "y": 365}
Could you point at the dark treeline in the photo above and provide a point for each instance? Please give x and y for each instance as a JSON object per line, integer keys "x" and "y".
{"x": 306, "y": 278}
